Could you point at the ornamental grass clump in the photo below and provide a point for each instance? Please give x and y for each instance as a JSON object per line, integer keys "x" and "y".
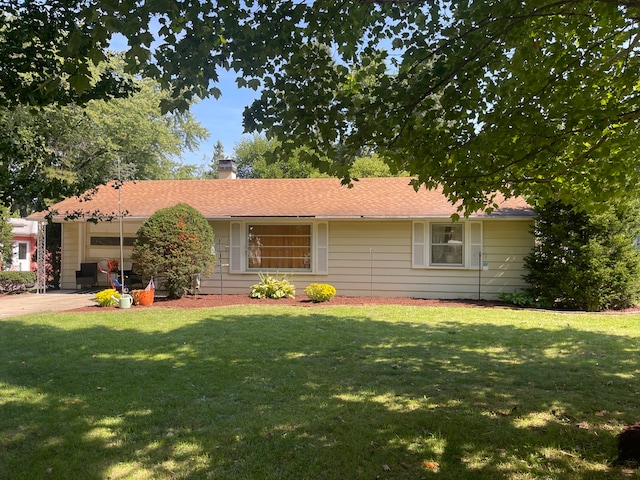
{"x": 108, "y": 298}
{"x": 320, "y": 292}
{"x": 272, "y": 287}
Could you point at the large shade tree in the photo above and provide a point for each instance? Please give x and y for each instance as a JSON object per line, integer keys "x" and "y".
{"x": 253, "y": 156}
{"x": 535, "y": 98}
{"x": 53, "y": 152}
{"x": 255, "y": 159}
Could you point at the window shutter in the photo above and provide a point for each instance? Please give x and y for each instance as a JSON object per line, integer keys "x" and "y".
{"x": 419, "y": 255}
{"x": 475, "y": 245}
{"x": 322, "y": 248}
{"x": 235, "y": 251}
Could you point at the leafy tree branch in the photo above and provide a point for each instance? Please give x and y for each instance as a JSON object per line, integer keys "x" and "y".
{"x": 528, "y": 98}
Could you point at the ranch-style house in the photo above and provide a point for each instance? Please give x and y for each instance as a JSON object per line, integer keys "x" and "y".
{"x": 379, "y": 238}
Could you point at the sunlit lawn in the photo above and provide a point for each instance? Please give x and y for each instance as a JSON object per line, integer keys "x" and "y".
{"x": 266, "y": 392}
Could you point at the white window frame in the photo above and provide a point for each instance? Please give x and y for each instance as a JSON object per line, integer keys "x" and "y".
{"x": 472, "y": 237}
{"x": 25, "y": 246}
{"x": 449, "y": 245}
{"x": 239, "y": 247}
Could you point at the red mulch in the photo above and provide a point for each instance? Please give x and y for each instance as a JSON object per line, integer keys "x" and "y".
{"x": 208, "y": 301}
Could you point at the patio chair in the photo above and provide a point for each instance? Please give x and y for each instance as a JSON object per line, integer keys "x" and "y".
{"x": 87, "y": 276}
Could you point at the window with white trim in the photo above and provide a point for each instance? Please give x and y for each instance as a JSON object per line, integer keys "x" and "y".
{"x": 439, "y": 244}
{"x": 279, "y": 247}
{"x": 447, "y": 242}
{"x": 23, "y": 249}
{"x": 283, "y": 247}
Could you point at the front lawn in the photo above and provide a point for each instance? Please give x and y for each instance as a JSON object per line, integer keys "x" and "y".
{"x": 262, "y": 392}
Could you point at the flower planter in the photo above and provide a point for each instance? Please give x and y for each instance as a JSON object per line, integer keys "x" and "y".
{"x": 143, "y": 297}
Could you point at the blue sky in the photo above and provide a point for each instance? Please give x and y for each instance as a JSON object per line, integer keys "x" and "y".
{"x": 222, "y": 117}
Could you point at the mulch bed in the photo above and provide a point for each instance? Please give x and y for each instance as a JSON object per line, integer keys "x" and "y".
{"x": 209, "y": 301}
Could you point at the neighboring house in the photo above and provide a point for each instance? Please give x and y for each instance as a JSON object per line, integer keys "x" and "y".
{"x": 379, "y": 238}
{"x": 25, "y": 234}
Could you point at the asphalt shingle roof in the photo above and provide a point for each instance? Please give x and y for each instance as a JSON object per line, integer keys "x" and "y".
{"x": 308, "y": 197}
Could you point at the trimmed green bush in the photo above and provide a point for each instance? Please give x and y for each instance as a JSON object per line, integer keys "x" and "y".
{"x": 16, "y": 282}
{"x": 584, "y": 260}
{"x": 272, "y": 287}
{"x": 320, "y": 292}
{"x": 175, "y": 244}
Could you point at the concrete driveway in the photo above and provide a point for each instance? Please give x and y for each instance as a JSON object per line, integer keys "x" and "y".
{"x": 12, "y": 306}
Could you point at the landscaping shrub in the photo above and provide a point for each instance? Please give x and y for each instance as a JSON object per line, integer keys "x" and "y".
{"x": 6, "y": 237}
{"x": 272, "y": 287}
{"x": 175, "y": 242}
{"x": 320, "y": 292}
{"x": 586, "y": 261}
{"x": 108, "y": 298}
{"x": 523, "y": 298}
{"x": 16, "y": 282}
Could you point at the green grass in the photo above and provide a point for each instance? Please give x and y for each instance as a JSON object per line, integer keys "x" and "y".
{"x": 256, "y": 392}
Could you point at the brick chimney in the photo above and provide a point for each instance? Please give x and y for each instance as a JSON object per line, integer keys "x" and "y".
{"x": 227, "y": 169}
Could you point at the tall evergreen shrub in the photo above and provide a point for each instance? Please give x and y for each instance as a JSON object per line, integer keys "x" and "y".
{"x": 175, "y": 242}
{"x": 6, "y": 238}
{"x": 586, "y": 261}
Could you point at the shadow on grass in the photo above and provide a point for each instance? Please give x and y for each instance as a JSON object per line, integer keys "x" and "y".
{"x": 313, "y": 395}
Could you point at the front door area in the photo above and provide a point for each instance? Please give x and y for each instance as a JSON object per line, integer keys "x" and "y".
{"x": 20, "y": 259}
